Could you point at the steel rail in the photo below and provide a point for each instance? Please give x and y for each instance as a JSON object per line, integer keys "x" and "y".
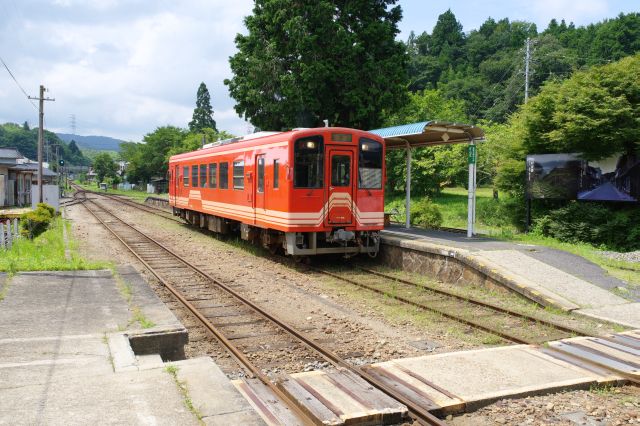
{"x": 235, "y": 352}
{"x": 416, "y": 411}
{"x": 149, "y": 209}
{"x": 445, "y": 314}
{"x": 481, "y": 303}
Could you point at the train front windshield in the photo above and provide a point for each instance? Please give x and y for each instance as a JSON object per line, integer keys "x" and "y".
{"x": 370, "y": 164}
{"x": 309, "y": 163}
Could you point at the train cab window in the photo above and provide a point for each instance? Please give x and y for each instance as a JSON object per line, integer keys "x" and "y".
{"x": 308, "y": 171}
{"x": 194, "y": 176}
{"x": 340, "y": 170}
{"x": 276, "y": 174}
{"x": 260, "y": 174}
{"x": 370, "y": 164}
{"x": 213, "y": 175}
{"x": 185, "y": 175}
{"x": 224, "y": 175}
{"x": 238, "y": 175}
{"x": 203, "y": 175}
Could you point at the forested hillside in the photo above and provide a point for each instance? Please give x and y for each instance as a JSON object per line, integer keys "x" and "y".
{"x": 26, "y": 141}
{"x": 484, "y": 67}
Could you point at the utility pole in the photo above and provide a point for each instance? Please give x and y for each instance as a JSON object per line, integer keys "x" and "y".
{"x": 40, "y": 98}
{"x": 526, "y": 70}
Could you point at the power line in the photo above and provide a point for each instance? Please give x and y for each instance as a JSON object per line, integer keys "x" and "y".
{"x": 18, "y": 84}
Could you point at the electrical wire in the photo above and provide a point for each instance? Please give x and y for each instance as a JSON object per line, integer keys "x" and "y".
{"x": 17, "y": 83}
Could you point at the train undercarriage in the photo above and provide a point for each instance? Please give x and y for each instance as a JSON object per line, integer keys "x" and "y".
{"x": 336, "y": 241}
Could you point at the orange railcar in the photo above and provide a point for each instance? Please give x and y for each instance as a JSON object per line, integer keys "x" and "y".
{"x": 309, "y": 191}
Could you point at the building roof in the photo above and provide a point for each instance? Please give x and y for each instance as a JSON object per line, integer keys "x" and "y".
{"x": 11, "y": 153}
{"x": 32, "y": 167}
{"x": 429, "y": 133}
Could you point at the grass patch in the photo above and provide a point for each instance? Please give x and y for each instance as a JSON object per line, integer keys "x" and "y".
{"x": 5, "y": 288}
{"x": 139, "y": 316}
{"x": 184, "y": 391}
{"x": 46, "y": 253}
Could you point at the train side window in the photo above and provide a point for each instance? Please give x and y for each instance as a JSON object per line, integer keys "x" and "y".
{"x": 370, "y": 164}
{"x": 185, "y": 175}
{"x": 224, "y": 175}
{"x": 276, "y": 174}
{"x": 238, "y": 175}
{"x": 203, "y": 175}
{"x": 308, "y": 171}
{"x": 260, "y": 173}
{"x": 213, "y": 175}
{"x": 194, "y": 176}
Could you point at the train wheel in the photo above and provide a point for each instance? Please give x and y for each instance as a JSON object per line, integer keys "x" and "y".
{"x": 305, "y": 260}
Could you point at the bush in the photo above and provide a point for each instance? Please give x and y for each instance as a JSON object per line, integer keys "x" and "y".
{"x": 48, "y": 208}
{"x": 37, "y": 221}
{"x": 611, "y": 227}
{"x": 426, "y": 214}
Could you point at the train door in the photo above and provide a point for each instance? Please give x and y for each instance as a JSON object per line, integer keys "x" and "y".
{"x": 340, "y": 189}
{"x": 259, "y": 196}
{"x": 176, "y": 180}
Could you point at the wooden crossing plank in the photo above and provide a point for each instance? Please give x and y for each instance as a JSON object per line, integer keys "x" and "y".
{"x": 340, "y": 397}
{"x": 272, "y": 410}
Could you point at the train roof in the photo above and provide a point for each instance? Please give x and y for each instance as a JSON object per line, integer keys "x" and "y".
{"x": 260, "y": 138}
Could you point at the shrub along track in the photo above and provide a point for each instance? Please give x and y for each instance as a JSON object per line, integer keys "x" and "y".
{"x": 214, "y": 302}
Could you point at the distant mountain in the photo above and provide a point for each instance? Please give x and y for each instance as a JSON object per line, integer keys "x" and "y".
{"x": 98, "y": 143}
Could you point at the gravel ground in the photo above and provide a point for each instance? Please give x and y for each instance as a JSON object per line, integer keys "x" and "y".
{"x": 596, "y": 407}
{"x": 632, "y": 256}
{"x": 357, "y": 329}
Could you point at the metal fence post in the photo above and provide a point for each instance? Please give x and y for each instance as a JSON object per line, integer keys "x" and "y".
{"x": 16, "y": 231}
{"x": 9, "y": 236}
{"x": 1, "y": 235}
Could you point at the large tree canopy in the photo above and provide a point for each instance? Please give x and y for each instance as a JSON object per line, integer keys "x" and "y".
{"x": 203, "y": 113}
{"x": 305, "y": 61}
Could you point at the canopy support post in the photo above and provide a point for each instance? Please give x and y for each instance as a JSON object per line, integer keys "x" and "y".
{"x": 471, "y": 202}
{"x": 408, "y": 187}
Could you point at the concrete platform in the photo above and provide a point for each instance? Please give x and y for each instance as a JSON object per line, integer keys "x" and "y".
{"x": 66, "y": 357}
{"x": 547, "y": 276}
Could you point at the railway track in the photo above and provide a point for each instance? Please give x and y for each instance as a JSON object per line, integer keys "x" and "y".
{"x": 508, "y": 324}
{"x": 228, "y": 315}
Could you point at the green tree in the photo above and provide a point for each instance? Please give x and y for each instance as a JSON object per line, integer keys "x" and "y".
{"x": 203, "y": 113}
{"x": 435, "y": 167}
{"x": 305, "y": 61}
{"x": 104, "y": 166}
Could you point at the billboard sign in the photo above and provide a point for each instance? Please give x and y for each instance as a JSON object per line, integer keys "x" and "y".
{"x": 569, "y": 177}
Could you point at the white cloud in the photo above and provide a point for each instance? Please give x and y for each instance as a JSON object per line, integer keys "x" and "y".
{"x": 125, "y": 74}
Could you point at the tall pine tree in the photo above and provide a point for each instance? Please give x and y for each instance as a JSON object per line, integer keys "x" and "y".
{"x": 203, "y": 113}
{"x": 303, "y": 61}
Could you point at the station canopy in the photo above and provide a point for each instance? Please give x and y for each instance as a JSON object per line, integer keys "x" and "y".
{"x": 432, "y": 133}
{"x": 428, "y": 133}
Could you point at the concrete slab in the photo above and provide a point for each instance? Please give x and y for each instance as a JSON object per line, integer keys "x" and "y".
{"x": 480, "y": 377}
{"x": 540, "y": 274}
{"x": 167, "y": 336}
{"x": 148, "y": 397}
{"x": 212, "y": 394}
{"x": 627, "y": 314}
{"x": 63, "y": 360}
{"x": 39, "y": 304}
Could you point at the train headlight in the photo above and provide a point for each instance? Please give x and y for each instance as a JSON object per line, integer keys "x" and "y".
{"x": 311, "y": 145}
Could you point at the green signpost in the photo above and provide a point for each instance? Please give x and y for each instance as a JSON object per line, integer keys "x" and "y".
{"x": 473, "y": 154}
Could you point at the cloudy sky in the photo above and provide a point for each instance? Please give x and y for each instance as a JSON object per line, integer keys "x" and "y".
{"x": 124, "y": 67}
